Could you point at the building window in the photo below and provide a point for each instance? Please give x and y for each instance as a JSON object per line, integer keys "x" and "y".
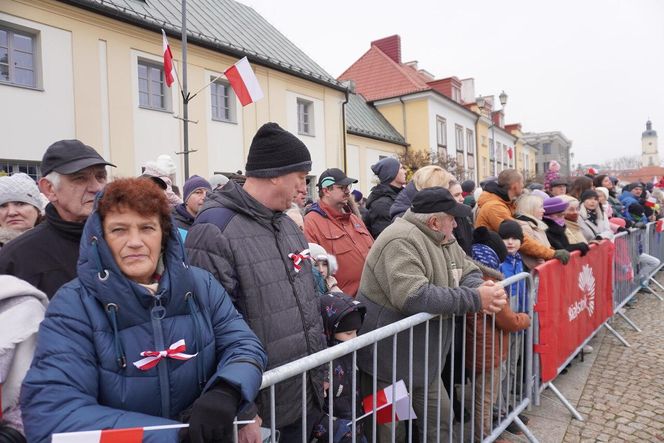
{"x": 312, "y": 191}
{"x": 546, "y": 148}
{"x": 305, "y": 117}
{"x": 223, "y": 101}
{"x": 458, "y": 137}
{"x": 456, "y": 94}
{"x": 470, "y": 141}
{"x": 485, "y": 167}
{"x": 492, "y": 150}
{"x": 17, "y": 57}
{"x": 459, "y": 161}
{"x": 32, "y": 168}
{"x": 441, "y": 132}
{"x": 151, "y": 86}
{"x": 470, "y": 165}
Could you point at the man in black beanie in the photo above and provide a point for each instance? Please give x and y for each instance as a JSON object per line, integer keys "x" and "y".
{"x": 392, "y": 177}
{"x": 244, "y": 238}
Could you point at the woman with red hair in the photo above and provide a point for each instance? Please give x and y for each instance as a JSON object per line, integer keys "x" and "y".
{"x": 140, "y": 338}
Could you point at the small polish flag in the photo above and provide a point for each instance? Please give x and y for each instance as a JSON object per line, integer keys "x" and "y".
{"x": 659, "y": 225}
{"x": 385, "y": 403}
{"x": 510, "y": 153}
{"x": 244, "y": 82}
{"x": 651, "y": 202}
{"x": 130, "y": 435}
{"x": 169, "y": 66}
{"x": 127, "y": 435}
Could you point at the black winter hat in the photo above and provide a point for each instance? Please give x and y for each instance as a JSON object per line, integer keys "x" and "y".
{"x": 588, "y": 193}
{"x": 438, "y": 199}
{"x": 484, "y": 236}
{"x": 275, "y": 152}
{"x": 350, "y": 322}
{"x": 510, "y": 229}
{"x": 468, "y": 186}
{"x": 387, "y": 169}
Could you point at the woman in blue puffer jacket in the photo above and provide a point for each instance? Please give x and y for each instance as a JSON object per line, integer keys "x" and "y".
{"x": 135, "y": 293}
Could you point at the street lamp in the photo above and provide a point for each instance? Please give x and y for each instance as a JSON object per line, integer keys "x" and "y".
{"x": 481, "y": 101}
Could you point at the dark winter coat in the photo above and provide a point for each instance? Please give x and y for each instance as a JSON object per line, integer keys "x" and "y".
{"x": 379, "y": 203}
{"x": 46, "y": 255}
{"x": 246, "y": 245}
{"x": 334, "y": 307}
{"x": 182, "y": 217}
{"x": 403, "y": 201}
{"x": 558, "y": 238}
{"x": 82, "y": 376}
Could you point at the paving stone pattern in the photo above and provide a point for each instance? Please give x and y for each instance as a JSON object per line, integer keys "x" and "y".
{"x": 623, "y": 397}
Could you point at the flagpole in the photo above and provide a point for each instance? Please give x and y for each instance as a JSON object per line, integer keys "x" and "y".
{"x": 185, "y": 94}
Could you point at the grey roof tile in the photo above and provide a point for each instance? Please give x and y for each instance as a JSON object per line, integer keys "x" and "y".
{"x": 364, "y": 119}
{"x": 225, "y": 25}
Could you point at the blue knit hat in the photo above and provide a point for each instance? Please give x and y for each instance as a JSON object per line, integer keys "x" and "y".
{"x": 386, "y": 169}
{"x": 194, "y": 182}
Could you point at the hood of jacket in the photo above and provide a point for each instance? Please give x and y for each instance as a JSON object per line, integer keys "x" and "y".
{"x": 235, "y": 198}
{"x": 403, "y": 200}
{"x": 535, "y": 224}
{"x": 100, "y": 275}
{"x": 380, "y": 191}
{"x": 12, "y": 287}
{"x": 334, "y": 306}
{"x": 494, "y": 188}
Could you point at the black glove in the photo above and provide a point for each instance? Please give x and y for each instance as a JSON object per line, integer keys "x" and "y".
{"x": 582, "y": 247}
{"x": 212, "y": 415}
{"x": 10, "y": 435}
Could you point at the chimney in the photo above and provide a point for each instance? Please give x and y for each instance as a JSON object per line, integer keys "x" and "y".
{"x": 391, "y": 46}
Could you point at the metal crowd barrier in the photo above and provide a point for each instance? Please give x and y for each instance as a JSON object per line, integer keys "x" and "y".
{"x": 495, "y": 386}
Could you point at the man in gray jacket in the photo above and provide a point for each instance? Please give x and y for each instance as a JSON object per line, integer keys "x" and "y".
{"x": 244, "y": 238}
{"x": 416, "y": 266}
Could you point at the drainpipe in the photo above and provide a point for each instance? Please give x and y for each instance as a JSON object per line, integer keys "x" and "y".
{"x": 403, "y": 115}
{"x": 343, "y": 122}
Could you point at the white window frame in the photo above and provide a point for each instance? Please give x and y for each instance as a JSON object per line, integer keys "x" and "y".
{"x": 226, "y": 111}
{"x": 32, "y": 168}
{"x": 165, "y": 94}
{"x": 305, "y": 117}
{"x": 11, "y": 63}
{"x": 458, "y": 137}
{"x": 470, "y": 141}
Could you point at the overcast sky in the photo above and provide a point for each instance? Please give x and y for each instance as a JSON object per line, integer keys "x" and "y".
{"x": 593, "y": 69}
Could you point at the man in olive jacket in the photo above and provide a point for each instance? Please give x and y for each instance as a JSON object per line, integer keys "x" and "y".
{"x": 417, "y": 266}
{"x": 244, "y": 238}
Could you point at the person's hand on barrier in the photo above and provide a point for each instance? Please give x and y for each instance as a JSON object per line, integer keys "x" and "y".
{"x": 583, "y": 248}
{"x": 251, "y": 433}
{"x": 492, "y": 297}
{"x": 562, "y": 255}
{"x": 621, "y": 229}
{"x": 213, "y": 413}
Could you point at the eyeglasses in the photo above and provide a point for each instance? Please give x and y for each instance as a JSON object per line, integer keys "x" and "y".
{"x": 344, "y": 188}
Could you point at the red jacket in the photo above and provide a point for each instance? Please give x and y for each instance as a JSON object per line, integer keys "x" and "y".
{"x": 344, "y": 236}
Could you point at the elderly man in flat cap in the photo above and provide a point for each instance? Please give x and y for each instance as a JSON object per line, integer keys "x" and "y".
{"x": 46, "y": 256}
{"x": 416, "y": 266}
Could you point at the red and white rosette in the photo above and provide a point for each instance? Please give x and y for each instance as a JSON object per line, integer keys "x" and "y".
{"x": 152, "y": 358}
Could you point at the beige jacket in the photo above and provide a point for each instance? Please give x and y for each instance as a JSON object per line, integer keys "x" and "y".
{"x": 536, "y": 229}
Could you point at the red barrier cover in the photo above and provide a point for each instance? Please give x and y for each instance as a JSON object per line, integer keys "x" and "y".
{"x": 573, "y": 300}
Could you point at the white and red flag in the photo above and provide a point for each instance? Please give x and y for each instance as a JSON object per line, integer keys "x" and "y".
{"x": 169, "y": 67}
{"x": 651, "y": 202}
{"x": 127, "y": 435}
{"x": 130, "y": 435}
{"x": 386, "y": 402}
{"x": 659, "y": 225}
{"x": 510, "y": 152}
{"x": 244, "y": 82}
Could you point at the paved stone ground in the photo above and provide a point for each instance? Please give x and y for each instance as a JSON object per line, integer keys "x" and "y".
{"x": 619, "y": 391}
{"x": 623, "y": 398}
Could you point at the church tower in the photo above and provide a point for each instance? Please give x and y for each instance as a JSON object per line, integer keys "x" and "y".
{"x": 649, "y": 154}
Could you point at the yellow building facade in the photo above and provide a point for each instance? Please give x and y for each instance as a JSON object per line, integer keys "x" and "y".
{"x": 87, "y": 86}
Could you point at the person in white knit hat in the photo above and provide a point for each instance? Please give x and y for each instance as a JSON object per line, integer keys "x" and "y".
{"x": 20, "y": 206}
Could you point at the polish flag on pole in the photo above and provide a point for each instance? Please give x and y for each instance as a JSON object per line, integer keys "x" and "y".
{"x": 169, "y": 66}
{"x": 659, "y": 225}
{"x": 128, "y": 435}
{"x": 510, "y": 152}
{"x": 651, "y": 202}
{"x": 244, "y": 82}
{"x": 385, "y": 403}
